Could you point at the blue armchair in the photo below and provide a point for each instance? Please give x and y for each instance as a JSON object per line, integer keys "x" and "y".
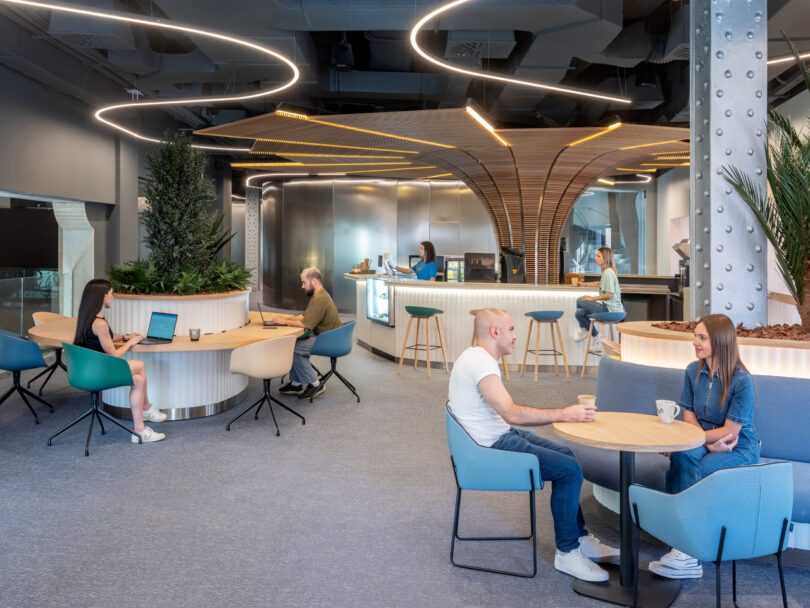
{"x": 18, "y": 354}
{"x": 731, "y": 514}
{"x": 479, "y": 468}
{"x": 333, "y": 344}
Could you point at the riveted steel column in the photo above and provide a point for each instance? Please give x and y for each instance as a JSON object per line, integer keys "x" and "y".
{"x": 253, "y": 204}
{"x": 728, "y": 117}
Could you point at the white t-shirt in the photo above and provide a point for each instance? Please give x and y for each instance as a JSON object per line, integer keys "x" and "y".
{"x": 467, "y": 403}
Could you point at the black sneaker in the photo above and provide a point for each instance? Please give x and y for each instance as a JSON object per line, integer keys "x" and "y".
{"x": 312, "y": 391}
{"x": 291, "y": 389}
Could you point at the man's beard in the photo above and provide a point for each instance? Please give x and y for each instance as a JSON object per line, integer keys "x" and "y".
{"x": 309, "y": 292}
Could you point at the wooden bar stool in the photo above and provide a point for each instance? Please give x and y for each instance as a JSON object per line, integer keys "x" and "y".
{"x": 505, "y": 364}
{"x": 419, "y": 313}
{"x": 545, "y": 317}
{"x": 604, "y": 319}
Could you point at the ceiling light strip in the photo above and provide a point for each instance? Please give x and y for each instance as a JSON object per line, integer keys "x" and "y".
{"x": 637, "y": 170}
{"x": 607, "y": 182}
{"x": 610, "y": 128}
{"x": 385, "y": 170}
{"x": 438, "y": 175}
{"x": 247, "y": 165}
{"x": 481, "y": 121}
{"x": 308, "y": 143}
{"x": 297, "y": 116}
{"x": 657, "y": 143}
{"x": 327, "y": 155}
{"x": 788, "y": 58}
{"x": 686, "y": 164}
{"x": 157, "y": 23}
{"x": 526, "y": 83}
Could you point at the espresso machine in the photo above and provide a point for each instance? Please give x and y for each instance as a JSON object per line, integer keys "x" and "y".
{"x": 682, "y": 249}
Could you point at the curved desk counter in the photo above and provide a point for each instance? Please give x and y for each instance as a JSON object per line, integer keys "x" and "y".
{"x": 456, "y": 300}
{"x": 647, "y": 345}
{"x": 186, "y": 379}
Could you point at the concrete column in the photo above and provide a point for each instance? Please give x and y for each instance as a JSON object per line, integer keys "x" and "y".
{"x": 728, "y": 119}
{"x": 76, "y": 249}
{"x": 123, "y": 235}
{"x": 220, "y": 172}
{"x": 253, "y": 204}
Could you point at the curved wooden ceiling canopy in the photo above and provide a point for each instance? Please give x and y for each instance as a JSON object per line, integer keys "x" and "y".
{"x": 528, "y": 187}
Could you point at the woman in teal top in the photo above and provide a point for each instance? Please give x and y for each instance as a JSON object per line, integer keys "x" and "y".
{"x": 425, "y": 269}
{"x": 608, "y": 300}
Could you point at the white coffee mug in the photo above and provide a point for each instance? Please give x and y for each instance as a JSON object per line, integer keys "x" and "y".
{"x": 667, "y": 410}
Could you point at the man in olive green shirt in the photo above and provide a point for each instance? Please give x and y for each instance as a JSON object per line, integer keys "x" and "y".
{"x": 319, "y": 316}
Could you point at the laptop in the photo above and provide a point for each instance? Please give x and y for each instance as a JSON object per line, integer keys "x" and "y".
{"x": 265, "y": 322}
{"x": 161, "y": 328}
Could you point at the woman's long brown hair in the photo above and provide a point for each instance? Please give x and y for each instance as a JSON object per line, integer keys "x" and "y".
{"x": 725, "y": 353}
{"x": 91, "y": 304}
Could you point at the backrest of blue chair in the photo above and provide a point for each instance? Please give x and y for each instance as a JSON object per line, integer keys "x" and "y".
{"x": 628, "y": 387}
{"x": 750, "y": 501}
{"x": 17, "y": 353}
{"x": 92, "y": 371}
{"x": 480, "y": 468}
{"x": 335, "y": 343}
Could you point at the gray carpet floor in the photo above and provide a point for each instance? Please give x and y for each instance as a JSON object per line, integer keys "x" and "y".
{"x": 353, "y": 509}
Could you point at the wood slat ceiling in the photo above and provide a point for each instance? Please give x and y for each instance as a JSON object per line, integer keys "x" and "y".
{"x": 528, "y": 189}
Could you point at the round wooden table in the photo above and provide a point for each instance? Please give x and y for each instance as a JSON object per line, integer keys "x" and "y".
{"x": 631, "y": 433}
{"x": 186, "y": 379}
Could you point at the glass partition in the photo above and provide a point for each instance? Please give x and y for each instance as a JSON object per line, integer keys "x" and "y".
{"x": 24, "y": 292}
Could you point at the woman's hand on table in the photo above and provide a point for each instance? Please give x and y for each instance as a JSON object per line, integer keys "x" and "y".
{"x": 578, "y": 413}
{"x": 133, "y": 338}
{"x": 724, "y": 444}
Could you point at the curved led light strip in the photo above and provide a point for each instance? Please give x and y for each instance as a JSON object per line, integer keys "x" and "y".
{"x": 605, "y": 131}
{"x": 637, "y": 170}
{"x": 327, "y": 155}
{"x": 385, "y": 170}
{"x": 481, "y": 121}
{"x": 297, "y": 116}
{"x": 526, "y": 83}
{"x": 657, "y": 143}
{"x": 150, "y": 22}
{"x": 239, "y": 165}
{"x": 788, "y": 58}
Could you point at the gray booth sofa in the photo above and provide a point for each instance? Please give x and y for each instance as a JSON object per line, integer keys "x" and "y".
{"x": 781, "y": 419}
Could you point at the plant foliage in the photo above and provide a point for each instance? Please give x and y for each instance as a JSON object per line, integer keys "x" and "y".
{"x": 784, "y": 216}
{"x": 184, "y": 237}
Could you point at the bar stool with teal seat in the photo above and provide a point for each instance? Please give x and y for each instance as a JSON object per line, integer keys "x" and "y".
{"x": 92, "y": 371}
{"x": 504, "y": 362}
{"x": 421, "y": 313}
{"x": 605, "y": 320}
{"x": 545, "y": 317}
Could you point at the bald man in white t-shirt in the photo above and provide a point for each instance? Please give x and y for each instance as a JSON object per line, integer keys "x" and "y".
{"x": 480, "y": 402}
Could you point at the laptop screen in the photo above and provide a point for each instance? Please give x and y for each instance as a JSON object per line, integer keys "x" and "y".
{"x": 161, "y": 325}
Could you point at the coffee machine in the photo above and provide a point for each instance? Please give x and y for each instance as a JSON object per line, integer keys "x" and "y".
{"x": 682, "y": 249}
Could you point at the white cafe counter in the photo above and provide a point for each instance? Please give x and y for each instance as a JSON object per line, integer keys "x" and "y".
{"x": 456, "y": 300}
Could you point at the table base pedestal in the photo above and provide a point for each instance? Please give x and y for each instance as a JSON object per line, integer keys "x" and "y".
{"x": 653, "y": 591}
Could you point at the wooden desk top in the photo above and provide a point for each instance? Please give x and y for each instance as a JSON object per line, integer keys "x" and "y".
{"x": 56, "y": 332}
{"x": 644, "y": 329}
{"x": 632, "y": 433}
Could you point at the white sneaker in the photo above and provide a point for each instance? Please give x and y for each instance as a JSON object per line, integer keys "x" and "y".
{"x": 596, "y": 345}
{"x": 667, "y": 572}
{"x": 148, "y": 436}
{"x": 154, "y": 415}
{"x": 597, "y": 551}
{"x": 679, "y": 560}
{"x": 579, "y": 566}
{"x": 580, "y": 335}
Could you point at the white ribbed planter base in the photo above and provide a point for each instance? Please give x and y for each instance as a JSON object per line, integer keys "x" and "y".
{"x": 187, "y": 384}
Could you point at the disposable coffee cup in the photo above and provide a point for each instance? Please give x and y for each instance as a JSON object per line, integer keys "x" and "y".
{"x": 667, "y": 410}
{"x": 586, "y": 399}
{"x": 574, "y": 281}
{"x": 194, "y": 334}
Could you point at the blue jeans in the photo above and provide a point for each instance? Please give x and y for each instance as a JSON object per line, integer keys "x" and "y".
{"x": 559, "y": 466}
{"x": 686, "y": 468}
{"x": 302, "y": 372}
{"x": 585, "y": 308}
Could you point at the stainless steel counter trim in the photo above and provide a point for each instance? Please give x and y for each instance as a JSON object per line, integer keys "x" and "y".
{"x": 183, "y": 413}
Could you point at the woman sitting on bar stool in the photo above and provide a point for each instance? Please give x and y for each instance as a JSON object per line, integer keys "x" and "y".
{"x": 608, "y": 300}
{"x": 425, "y": 269}
{"x": 93, "y": 332}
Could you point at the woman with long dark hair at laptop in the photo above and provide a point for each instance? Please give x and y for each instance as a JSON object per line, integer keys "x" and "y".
{"x": 93, "y": 332}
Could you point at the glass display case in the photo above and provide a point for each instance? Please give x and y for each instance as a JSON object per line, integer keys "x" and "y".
{"x": 380, "y": 301}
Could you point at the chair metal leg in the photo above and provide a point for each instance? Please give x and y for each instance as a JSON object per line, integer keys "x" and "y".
{"x": 51, "y": 368}
{"x": 348, "y": 384}
{"x": 288, "y": 408}
{"x": 779, "y": 562}
{"x": 132, "y": 432}
{"x": 20, "y": 391}
{"x": 635, "y": 557}
{"x": 532, "y": 536}
{"x": 255, "y": 403}
{"x": 64, "y": 428}
{"x": 33, "y": 396}
{"x": 89, "y": 433}
{"x": 48, "y": 369}
{"x": 717, "y": 564}
{"x": 100, "y": 423}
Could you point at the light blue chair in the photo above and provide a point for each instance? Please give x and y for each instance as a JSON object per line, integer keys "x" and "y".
{"x": 737, "y": 513}
{"x": 18, "y": 354}
{"x": 479, "y": 468}
{"x": 334, "y": 344}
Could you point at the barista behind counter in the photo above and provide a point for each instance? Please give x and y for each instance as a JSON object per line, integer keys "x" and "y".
{"x": 425, "y": 269}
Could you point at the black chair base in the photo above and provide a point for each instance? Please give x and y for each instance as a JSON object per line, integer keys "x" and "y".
{"x": 51, "y": 368}
{"x": 270, "y": 400}
{"x": 96, "y": 414}
{"x": 324, "y": 377}
{"x": 16, "y": 386}
{"x": 532, "y": 537}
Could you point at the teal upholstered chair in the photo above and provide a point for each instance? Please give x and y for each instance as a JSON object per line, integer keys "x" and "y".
{"x": 92, "y": 371}
{"x": 479, "y": 468}
{"x": 335, "y": 344}
{"x": 16, "y": 355}
{"x": 738, "y": 513}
